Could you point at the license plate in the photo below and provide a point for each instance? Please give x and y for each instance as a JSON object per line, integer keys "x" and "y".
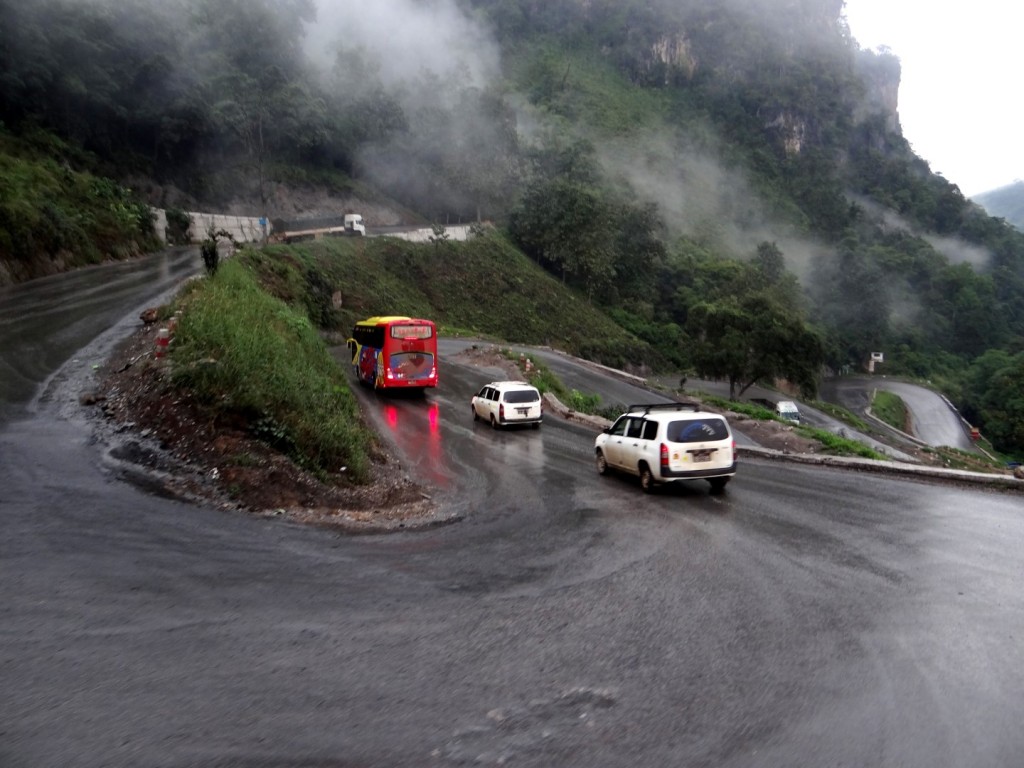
{"x": 523, "y": 411}
{"x": 701, "y": 456}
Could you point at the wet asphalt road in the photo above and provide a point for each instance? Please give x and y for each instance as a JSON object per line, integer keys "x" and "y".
{"x": 45, "y": 322}
{"x": 805, "y": 617}
{"x": 934, "y": 421}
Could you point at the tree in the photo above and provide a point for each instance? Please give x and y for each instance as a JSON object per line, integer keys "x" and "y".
{"x": 753, "y": 339}
{"x": 994, "y": 398}
{"x": 569, "y": 229}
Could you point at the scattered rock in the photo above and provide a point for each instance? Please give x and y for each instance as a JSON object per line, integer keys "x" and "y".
{"x": 149, "y": 316}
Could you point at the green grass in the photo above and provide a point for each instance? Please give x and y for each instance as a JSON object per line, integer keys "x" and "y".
{"x": 841, "y": 414}
{"x": 890, "y": 408}
{"x": 841, "y": 446}
{"x": 954, "y": 458}
{"x": 483, "y": 287}
{"x": 582, "y": 85}
{"x": 51, "y": 209}
{"x": 253, "y": 361}
{"x": 748, "y": 409}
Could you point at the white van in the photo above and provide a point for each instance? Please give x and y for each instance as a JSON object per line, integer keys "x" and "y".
{"x": 786, "y": 409}
{"x": 504, "y": 403}
{"x": 666, "y": 443}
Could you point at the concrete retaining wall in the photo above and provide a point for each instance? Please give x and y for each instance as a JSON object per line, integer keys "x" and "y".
{"x": 245, "y": 229}
{"x": 456, "y": 232}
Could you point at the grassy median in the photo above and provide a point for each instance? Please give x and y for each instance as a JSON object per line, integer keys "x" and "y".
{"x": 252, "y": 360}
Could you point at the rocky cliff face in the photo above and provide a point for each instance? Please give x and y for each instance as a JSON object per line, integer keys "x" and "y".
{"x": 675, "y": 54}
{"x": 738, "y": 40}
{"x": 880, "y": 72}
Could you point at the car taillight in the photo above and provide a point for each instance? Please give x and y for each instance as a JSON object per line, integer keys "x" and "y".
{"x": 734, "y": 450}
{"x": 501, "y": 412}
{"x": 664, "y": 455}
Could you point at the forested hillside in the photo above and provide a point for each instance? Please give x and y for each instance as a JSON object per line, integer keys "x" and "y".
{"x": 1006, "y": 203}
{"x": 725, "y": 178}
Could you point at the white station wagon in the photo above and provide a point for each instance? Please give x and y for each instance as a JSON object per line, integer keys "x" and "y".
{"x": 668, "y": 442}
{"x": 503, "y": 403}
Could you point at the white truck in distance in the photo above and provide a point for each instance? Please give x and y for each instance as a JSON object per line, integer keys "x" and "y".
{"x": 350, "y": 225}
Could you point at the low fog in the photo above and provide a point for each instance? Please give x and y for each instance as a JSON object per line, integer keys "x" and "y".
{"x": 406, "y": 38}
{"x": 955, "y": 249}
{"x": 698, "y": 197}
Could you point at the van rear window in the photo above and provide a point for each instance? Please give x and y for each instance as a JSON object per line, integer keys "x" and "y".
{"x": 522, "y": 396}
{"x": 697, "y": 430}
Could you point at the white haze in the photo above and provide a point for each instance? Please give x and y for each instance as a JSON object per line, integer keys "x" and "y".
{"x": 955, "y": 249}
{"x": 699, "y": 197}
{"x": 406, "y": 38}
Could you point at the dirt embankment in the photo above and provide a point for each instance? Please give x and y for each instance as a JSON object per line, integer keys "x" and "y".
{"x": 163, "y": 438}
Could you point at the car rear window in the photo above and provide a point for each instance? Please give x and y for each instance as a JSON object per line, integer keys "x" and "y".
{"x": 522, "y": 396}
{"x": 697, "y": 430}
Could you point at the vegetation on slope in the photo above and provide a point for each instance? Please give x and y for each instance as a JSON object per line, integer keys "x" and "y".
{"x": 482, "y": 287}
{"x": 1006, "y": 203}
{"x": 54, "y": 218}
{"x": 890, "y": 408}
{"x": 250, "y": 359}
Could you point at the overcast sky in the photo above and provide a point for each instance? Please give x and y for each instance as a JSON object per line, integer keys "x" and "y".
{"x": 960, "y": 96}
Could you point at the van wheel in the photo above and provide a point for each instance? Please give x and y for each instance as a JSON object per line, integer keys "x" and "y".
{"x": 718, "y": 483}
{"x": 602, "y": 463}
{"x": 476, "y": 416}
{"x": 494, "y": 422}
{"x": 646, "y": 479}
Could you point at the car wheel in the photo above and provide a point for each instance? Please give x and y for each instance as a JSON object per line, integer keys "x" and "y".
{"x": 476, "y": 416}
{"x": 602, "y": 463}
{"x": 494, "y": 422}
{"x": 718, "y": 483}
{"x": 536, "y": 425}
{"x": 646, "y": 479}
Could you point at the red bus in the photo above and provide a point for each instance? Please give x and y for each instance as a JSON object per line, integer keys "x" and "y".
{"x": 394, "y": 352}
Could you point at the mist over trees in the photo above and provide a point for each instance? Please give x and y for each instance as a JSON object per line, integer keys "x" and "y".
{"x": 695, "y": 167}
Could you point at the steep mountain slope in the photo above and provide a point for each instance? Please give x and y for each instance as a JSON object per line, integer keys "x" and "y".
{"x": 1006, "y": 203}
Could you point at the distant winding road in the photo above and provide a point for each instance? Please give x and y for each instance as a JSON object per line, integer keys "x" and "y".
{"x": 934, "y": 420}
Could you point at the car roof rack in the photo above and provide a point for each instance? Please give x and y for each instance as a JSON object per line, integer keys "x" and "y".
{"x": 648, "y": 407}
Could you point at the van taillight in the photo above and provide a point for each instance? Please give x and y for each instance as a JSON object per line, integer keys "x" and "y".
{"x": 664, "y": 455}
{"x": 734, "y": 449}
{"x": 501, "y": 412}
